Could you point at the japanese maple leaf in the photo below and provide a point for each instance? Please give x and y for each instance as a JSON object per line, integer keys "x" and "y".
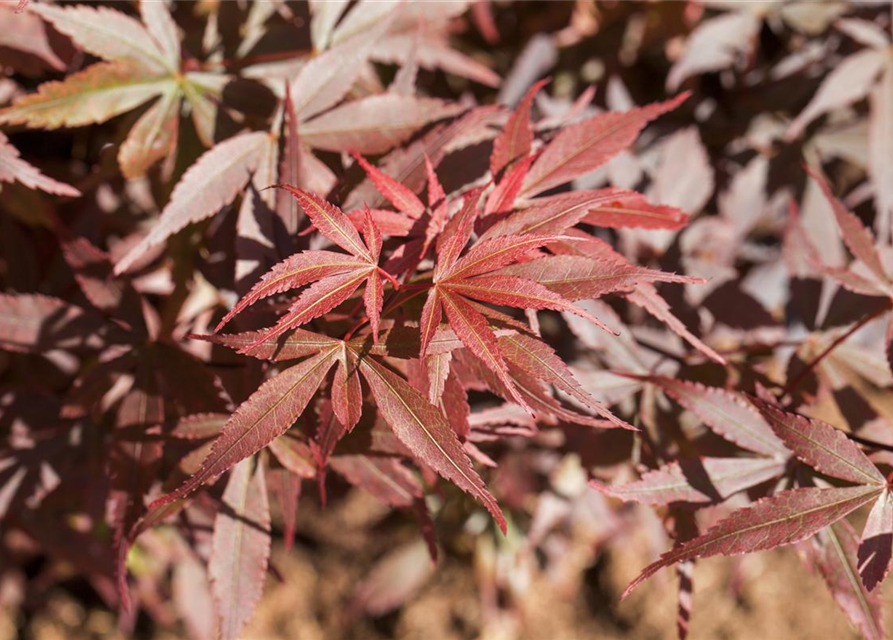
{"x": 142, "y": 63}
{"x": 459, "y": 284}
{"x": 796, "y": 514}
{"x": 312, "y": 114}
{"x": 335, "y": 276}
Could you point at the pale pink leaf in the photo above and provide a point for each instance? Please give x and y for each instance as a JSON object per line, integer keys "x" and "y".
{"x": 106, "y": 33}
{"x": 154, "y": 136}
{"x": 14, "y": 169}
{"x": 850, "y": 80}
{"x": 161, "y": 26}
{"x": 715, "y": 44}
{"x": 240, "y": 549}
{"x": 214, "y": 181}
{"x": 394, "y": 579}
{"x": 880, "y": 150}
{"x": 696, "y": 481}
{"x": 374, "y": 124}
{"x": 326, "y": 79}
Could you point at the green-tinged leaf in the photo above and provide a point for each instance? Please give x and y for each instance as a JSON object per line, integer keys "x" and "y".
{"x": 93, "y": 95}
{"x": 107, "y": 34}
{"x": 154, "y": 136}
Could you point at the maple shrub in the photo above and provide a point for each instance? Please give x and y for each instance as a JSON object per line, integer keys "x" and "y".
{"x": 320, "y": 279}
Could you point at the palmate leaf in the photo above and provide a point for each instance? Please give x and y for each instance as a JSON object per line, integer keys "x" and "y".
{"x": 142, "y": 62}
{"x": 785, "y": 518}
{"x": 240, "y": 549}
{"x": 338, "y": 284}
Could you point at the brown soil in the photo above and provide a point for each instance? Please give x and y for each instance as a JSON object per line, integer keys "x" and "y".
{"x": 776, "y": 596}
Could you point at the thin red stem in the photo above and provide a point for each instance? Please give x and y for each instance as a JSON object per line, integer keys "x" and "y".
{"x": 793, "y": 384}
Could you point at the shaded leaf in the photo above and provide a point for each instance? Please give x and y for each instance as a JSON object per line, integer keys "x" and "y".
{"x": 726, "y": 413}
{"x": 240, "y": 549}
{"x": 214, "y": 181}
{"x": 697, "y": 481}
{"x": 876, "y": 546}
{"x": 14, "y": 169}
